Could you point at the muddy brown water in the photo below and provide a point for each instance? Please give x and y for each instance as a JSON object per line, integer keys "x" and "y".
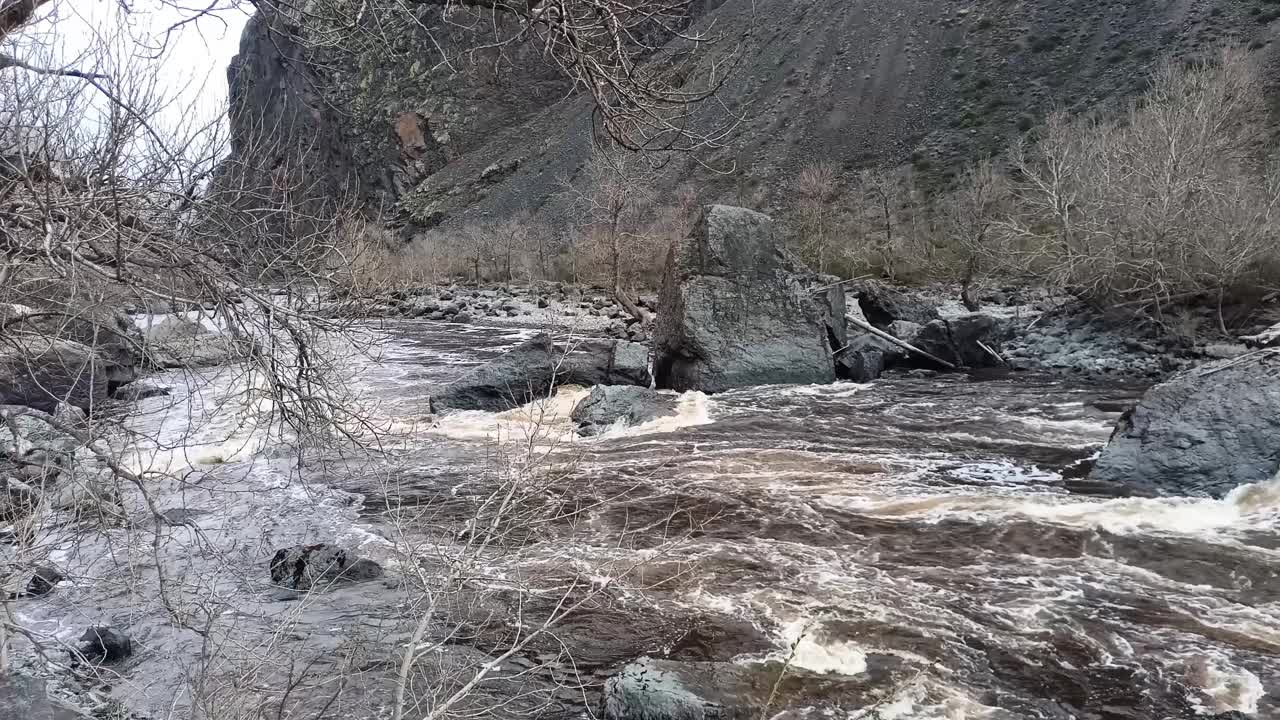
{"x": 922, "y": 518}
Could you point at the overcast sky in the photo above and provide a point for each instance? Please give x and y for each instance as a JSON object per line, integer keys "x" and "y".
{"x": 195, "y": 57}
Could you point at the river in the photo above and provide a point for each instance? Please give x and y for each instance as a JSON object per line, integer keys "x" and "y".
{"x": 917, "y": 533}
{"x": 924, "y": 519}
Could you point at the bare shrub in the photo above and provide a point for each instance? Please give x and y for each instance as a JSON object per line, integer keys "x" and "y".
{"x": 816, "y": 188}
{"x": 1171, "y": 198}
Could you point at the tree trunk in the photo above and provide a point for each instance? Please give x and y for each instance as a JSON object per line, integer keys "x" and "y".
{"x": 968, "y": 294}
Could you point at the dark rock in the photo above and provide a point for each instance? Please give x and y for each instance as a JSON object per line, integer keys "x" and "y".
{"x": 543, "y": 303}
{"x": 25, "y": 698}
{"x": 461, "y": 318}
{"x": 650, "y": 689}
{"x": 882, "y": 305}
{"x": 866, "y": 357}
{"x": 43, "y": 580}
{"x": 1206, "y": 430}
{"x": 111, "y": 335}
{"x": 537, "y": 366}
{"x": 306, "y": 567}
{"x": 104, "y": 644}
{"x": 959, "y": 341}
{"x": 607, "y": 404}
{"x": 40, "y": 372}
{"x": 737, "y": 310}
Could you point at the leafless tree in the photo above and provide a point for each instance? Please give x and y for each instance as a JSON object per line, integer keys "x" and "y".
{"x": 1169, "y": 199}
{"x": 610, "y": 201}
{"x": 968, "y": 215}
{"x": 817, "y": 188}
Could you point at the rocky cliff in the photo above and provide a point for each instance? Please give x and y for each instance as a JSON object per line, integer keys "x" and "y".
{"x": 433, "y": 126}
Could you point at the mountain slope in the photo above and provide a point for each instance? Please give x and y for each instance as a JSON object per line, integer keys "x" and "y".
{"x": 857, "y": 83}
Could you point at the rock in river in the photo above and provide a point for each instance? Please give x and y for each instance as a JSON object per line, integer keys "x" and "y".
{"x": 538, "y": 365}
{"x": 305, "y": 567}
{"x": 651, "y": 689}
{"x": 1205, "y": 430}
{"x": 737, "y": 310}
{"x": 608, "y": 403}
{"x": 40, "y": 372}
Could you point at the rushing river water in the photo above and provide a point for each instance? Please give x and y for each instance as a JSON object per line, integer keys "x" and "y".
{"x": 916, "y": 536}
{"x": 919, "y": 520}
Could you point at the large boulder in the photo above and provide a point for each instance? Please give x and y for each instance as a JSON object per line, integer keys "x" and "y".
{"x": 537, "y": 366}
{"x": 607, "y": 404}
{"x": 1204, "y": 431}
{"x": 737, "y": 310}
{"x": 41, "y": 372}
{"x": 651, "y": 689}
{"x": 882, "y": 305}
{"x": 177, "y": 342}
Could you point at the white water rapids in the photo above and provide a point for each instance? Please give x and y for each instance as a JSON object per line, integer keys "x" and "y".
{"x": 920, "y": 520}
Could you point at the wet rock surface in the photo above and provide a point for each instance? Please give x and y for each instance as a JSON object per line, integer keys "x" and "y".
{"x": 537, "y": 366}
{"x": 737, "y": 310}
{"x": 320, "y": 566}
{"x": 41, "y": 372}
{"x": 104, "y": 644}
{"x": 607, "y": 405}
{"x": 1206, "y": 430}
{"x": 651, "y": 689}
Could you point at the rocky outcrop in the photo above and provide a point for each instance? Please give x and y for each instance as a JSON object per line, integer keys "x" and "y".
{"x": 606, "y": 405}
{"x": 1205, "y": 431}
{"x": 308, "y": 567}
{"x": 537, "y": 366}
{"x": 41, "y": 372}
{"x": 737, "y": 310}
{"x": 651, "y": 689}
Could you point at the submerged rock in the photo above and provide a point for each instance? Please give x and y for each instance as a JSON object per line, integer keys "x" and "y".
{"x": 537, "y": 366}
{"x": 608, "y": 404}
{"x": 737, "y": 310}
{"x": 104, "y": 644}
{"x": 1206, "y": 430}
{"x": 306, "y": 567}
{"x": 651, "y": 689}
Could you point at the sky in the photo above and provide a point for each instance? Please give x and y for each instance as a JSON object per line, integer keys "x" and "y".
{"x": 191, "y": 64}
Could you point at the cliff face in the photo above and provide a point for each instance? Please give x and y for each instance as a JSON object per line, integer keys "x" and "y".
{"x": 454, "y": 135}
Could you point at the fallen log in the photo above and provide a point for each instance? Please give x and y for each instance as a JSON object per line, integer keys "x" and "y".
{"x": 900, "y": 343}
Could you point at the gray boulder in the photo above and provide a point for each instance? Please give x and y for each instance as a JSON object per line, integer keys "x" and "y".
{"x": 537, "y": 366}
{"x": 305, "y": 567}
{"x": 882, "y": 306}
{"x": 607, "y": 404}
{"x": 26, "y": 698}
{"x": 650, "y": 689}
{"x": 176, "y": 342}
{"x": 40, "y": 372}
{"x": 1204, "y": 431}
{"x": 737, "y": 310}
